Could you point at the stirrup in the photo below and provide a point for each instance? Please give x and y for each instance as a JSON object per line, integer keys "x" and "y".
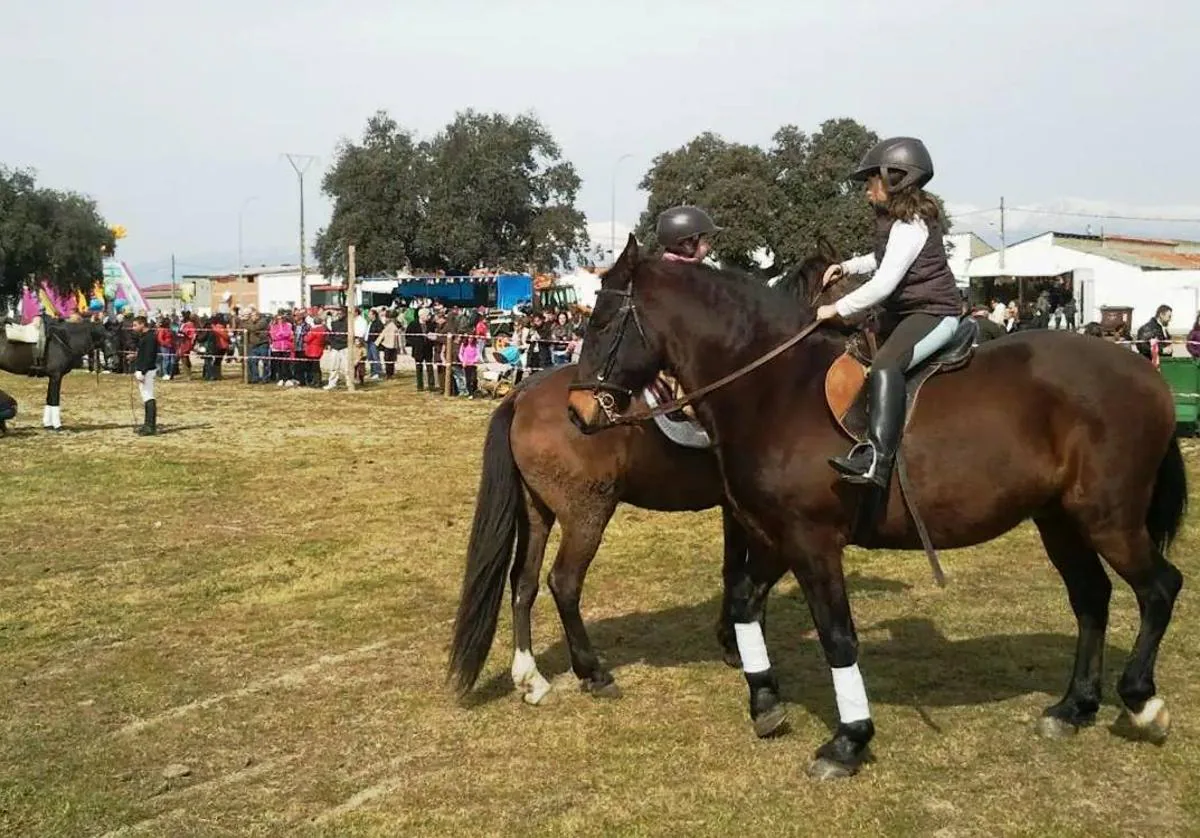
{"x": 879, "y": 474}
{"x": 848, "y": 466}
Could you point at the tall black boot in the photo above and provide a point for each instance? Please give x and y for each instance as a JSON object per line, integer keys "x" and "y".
{"x": 148, "y": 427}
{"x": 871, "y": 464}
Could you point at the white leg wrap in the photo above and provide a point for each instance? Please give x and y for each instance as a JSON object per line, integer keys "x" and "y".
{"x": 56, "y": 416}
{"x": 527, "y": 678}
{"x": 47, "y": 416}
{"x": 752, "y": 647}
{"x": 851, "y": 694}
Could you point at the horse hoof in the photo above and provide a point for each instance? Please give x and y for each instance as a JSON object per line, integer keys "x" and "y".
{"x": 1052, "y": 727}
{"x": 826, "y": 769}
{"x": 537, "y": 695}
{"x": 771, "y": 723}
{"x": 1151, "y": 724}
{"x": 732, "y": 659}
{"x": 608, "y": 689}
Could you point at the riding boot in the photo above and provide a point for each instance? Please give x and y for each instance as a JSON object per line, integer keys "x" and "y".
{"x": 871, "y": 464}
{"x": 148, "y": 426}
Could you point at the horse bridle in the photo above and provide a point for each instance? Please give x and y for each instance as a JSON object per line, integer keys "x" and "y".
{"x": 603, "y": 390}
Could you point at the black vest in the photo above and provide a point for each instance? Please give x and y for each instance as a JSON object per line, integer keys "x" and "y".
{"x": 928, "y": 286}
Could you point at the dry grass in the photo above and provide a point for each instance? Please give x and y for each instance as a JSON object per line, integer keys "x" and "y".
{"x": 265, "y": 593}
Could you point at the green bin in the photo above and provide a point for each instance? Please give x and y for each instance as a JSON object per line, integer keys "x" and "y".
{"x": 1183, "y": 377}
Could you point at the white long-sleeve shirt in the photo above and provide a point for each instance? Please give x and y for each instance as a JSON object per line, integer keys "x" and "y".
{"x": 904, "y": 243}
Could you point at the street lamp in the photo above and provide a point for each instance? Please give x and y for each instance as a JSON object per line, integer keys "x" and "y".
{"x": 613, "y": 209}
{"x": 242, "y": 209}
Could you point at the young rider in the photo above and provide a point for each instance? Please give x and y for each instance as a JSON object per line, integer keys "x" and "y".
{"x": 682, "y": 232}
{"x": 915, "y": 286}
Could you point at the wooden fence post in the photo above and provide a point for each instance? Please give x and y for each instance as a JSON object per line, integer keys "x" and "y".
{"x": 350, "y": 319}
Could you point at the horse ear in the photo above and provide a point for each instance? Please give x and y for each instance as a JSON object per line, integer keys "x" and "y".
{"x": 827, "y": 251}
{"x": 623, "y": 267}
{"x": 630, "y": 254}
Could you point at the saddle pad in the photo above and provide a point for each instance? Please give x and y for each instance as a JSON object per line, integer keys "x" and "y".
{"x": 29, "y": 333}
{"x": 686, "y": 432}
{"x": 847, "y": 397}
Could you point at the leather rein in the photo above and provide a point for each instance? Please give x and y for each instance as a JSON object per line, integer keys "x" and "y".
{"x": 603, "y": 390}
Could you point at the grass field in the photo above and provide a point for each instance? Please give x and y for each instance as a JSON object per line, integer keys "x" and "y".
{"x": 240, "y": 628}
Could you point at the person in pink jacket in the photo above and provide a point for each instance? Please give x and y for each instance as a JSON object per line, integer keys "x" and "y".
{"x": 282, "y": 336}
{"x": 468, "y": 356}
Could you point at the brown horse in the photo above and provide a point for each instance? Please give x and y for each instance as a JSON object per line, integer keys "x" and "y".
{"x": 538, "y": 469}
{"x": 1023, "y": 430}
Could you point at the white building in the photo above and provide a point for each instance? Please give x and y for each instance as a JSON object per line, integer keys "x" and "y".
{"x": 961, "y": 250}
{"x": 1111, "y": 277}
{"x": 265, "y": 287}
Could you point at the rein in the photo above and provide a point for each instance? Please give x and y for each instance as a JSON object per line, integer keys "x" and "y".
{"x": 601, "y": 389}
{"x": 689, "y": 398}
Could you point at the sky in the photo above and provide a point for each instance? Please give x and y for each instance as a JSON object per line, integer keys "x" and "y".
{"x": 175, "y": 116}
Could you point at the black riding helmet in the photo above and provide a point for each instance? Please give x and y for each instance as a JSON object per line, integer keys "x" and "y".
{"x": 897, "y": 155}
{"x": 678, "y": 224}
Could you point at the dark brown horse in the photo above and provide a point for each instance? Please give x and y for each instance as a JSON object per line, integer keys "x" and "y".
{"x": 67, "y": 343}
{"x": 1023, "y": 431}
{"x": 538, "y": 469}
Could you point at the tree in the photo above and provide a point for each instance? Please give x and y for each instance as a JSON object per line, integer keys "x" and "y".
{"x": 499, "y": 195}
{"x": 786, "y": 199}
{"x": 47, "y": 235}
{"x": 488, "y": 190}
{"x": 379, "y": 192}
{"x": 733, "y": 182}
{"x": 819, "y": 200}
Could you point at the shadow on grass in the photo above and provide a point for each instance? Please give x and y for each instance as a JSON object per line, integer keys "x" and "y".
{"x": 906, "y": 662}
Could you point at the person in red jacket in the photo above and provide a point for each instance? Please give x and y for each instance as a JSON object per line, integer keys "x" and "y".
{"x": 166, "y": 348}
{"x": 218, "y": 346}
{"x": 186, "y": 342}
{"x": 314, "y": 348}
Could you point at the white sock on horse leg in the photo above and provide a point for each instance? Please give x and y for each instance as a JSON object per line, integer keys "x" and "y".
{"x": 851, "y": 694}
{"x": 47, "y": 416}
{"x": 752, "y": 647}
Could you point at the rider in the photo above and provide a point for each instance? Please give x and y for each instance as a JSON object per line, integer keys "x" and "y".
{"x": 682, "y": 230}
{"x": 145, "y": 365}
{"x": 915, "y": 286}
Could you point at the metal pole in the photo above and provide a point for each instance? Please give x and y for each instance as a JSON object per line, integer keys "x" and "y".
{"x": 301, "y": 162}
{"x": 241, "y": 260}
{"x": 613, "y": 209}
{"x": 1002, "y": 233}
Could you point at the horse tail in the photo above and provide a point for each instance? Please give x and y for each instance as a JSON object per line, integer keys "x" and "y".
{"x": 489, "y": 552}
{"x": 1168, "y": 502}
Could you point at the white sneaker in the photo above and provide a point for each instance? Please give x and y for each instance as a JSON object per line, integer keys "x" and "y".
{"x": 281, "y": 383}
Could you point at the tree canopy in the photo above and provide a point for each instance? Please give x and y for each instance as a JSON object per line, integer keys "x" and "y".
{"x": 488, "y": 190}
{"x": 48, "y": 235}
{"x": 784, "y": 199}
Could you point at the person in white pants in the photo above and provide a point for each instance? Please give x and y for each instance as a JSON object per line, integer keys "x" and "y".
{"x": 145, "y": 366}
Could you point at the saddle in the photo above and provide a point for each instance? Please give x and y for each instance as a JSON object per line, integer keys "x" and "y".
{"x": 32, "y": 334}
{"x": 29, "y": 333}
{"x": 847, "y": 398}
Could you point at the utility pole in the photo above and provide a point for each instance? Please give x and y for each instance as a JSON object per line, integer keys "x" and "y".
{"x": 301, "y": 162}
{"x": 612, "y": 232}
{"x": 172, "y": 283}
{"x": 242, "y": 209}
{"x": 1002, "y": 232}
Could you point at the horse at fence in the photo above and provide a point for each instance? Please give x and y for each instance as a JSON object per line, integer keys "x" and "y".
{"x": 1012, "y": 430}
{"x": 538, "y": 469}
{"x": 52, "y": 350}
